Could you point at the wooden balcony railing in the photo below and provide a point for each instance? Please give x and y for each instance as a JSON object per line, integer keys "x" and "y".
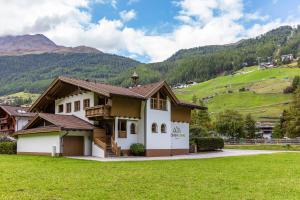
{"x": 114, "y": 147}
{"x": 9, "y": 131}
{"x": 158, "y": 104}
{"x": 3, "y": 120}
{"x": 100, "y": 143}
{"x": 98, "y": 111}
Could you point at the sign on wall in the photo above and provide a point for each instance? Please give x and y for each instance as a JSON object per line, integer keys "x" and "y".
{"x": 176, "y": 132}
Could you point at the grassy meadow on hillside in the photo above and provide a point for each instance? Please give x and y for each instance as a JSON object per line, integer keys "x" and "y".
{"x": 263, "y": 96}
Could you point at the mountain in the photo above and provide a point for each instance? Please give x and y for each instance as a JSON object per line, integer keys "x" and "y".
{"x": 36, "y": 44}
{"x": 203, "y": 63}
{"x": 30, "y": 62}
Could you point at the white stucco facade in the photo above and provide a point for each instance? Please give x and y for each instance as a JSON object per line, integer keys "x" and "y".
{"x": 41, "y": 143}
{"x": 72, "y": 99}
{"x": 97, "y": 151}
{"x": 158, "y": 140}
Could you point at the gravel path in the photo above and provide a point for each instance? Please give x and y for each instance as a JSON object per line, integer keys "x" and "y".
{"x": 215, "y": 154}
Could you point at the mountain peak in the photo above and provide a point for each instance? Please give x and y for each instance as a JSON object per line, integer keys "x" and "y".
{"x": 36, "y": 44}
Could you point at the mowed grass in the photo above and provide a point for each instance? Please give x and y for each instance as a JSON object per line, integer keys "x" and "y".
{"x": 265, "y": 147}
{"x": 264, "y": 97}
{"x": 275, "y": 176}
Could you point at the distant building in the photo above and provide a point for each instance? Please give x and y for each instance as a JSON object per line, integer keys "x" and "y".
{"x": 265, "y": 127}
{"x": 287, "y": 58}
{"x": 13, "y": 119}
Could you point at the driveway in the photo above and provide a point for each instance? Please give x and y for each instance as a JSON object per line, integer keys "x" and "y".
{"x": 215, "y": 154}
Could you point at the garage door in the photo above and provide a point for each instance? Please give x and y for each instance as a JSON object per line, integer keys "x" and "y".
{"x": 73, "y": 146}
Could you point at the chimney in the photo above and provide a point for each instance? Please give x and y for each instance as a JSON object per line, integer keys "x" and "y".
{"x": 135, "y": 78}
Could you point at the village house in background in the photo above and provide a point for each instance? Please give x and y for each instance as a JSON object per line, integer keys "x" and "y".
{"x": 87, "y": 118}
{"x": 265, "y": 127}
{"x": 13, "y": 119}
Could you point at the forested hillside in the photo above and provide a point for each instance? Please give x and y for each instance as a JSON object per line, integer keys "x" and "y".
{"x": 203, "y": 63}
{"x": 32, "y": 73}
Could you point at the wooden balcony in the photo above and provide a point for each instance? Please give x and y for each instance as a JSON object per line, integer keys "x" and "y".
{"x": 98, "y": 111}
{"x": 3, "y": 120}
{"x": 7, "y": 131}
{"x": 158, "y": 104}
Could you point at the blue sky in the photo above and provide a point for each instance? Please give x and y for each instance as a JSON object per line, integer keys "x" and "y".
{"x": 146, "y": 30}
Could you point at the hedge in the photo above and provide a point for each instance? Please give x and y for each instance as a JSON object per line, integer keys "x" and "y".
{"x": 209, "y": 144}
{"x": 8, "y": 147}
{"x": 137, "y": 149}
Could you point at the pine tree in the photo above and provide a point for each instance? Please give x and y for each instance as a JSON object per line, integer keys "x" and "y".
{"x": 291, "y": 118}
{"x": 250, "y": 127}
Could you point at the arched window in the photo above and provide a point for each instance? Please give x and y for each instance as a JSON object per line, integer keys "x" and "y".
{"x": 163, "y": 128}
{"x": 132, "y": 128}
{"x": 154, "y": 128}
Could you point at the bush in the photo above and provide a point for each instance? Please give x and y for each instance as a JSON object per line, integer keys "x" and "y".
{"x": 197, "y": 132}
{"x": 8, "y": 147}
{"x": 288, "y": 90}
{"x": 209, "y": 144}
{"x": 137, "y": 149}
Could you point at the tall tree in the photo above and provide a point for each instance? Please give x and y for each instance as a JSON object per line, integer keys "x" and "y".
{"x": 201, "y": 118}
{"x": 250, "y": 127}
{"x": 291, "y": 118}
{"x": 230, "y": 123}
{"x": 277, "y": 131}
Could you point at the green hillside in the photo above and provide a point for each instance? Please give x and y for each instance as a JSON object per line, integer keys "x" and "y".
{"x": 262, "y": 97}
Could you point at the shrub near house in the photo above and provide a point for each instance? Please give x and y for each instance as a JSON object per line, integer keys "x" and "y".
{"x": 209, "y": 144}
{"x": 7, "y": 146}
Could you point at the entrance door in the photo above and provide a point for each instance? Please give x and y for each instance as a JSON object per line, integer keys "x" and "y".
{"x": 73, "y": 146}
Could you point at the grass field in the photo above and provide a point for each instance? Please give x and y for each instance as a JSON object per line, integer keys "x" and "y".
{"x": 275, "y": 176}
{"x": 265, "y": 147}
{"x": 264, "y": 98}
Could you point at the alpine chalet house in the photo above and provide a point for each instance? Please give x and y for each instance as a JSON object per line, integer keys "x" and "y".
{"x": 86, "y": 118}
{"x": 13, "y": 119}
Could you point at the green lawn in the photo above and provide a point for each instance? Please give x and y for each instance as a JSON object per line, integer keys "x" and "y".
{"x": 265, "y": 147}
{"x": 275, "y": 176}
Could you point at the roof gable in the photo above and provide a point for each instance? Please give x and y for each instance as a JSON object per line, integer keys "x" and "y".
{"x": 65, "y": 85}
{"x": 150, "y": 89}
{"x": 65, "y": 122}
{"x": 16, "y": 111}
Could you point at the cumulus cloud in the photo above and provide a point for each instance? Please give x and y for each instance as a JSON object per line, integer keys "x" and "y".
{"x": 201, "y": 22}
{"x": 127, "y": 15}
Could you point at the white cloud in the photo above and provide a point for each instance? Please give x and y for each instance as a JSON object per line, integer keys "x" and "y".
{"x": 202, "y": 22}
{"x": 256, "y": 16}
{"x": 127, "y": 15}
{"x": 113, "y": 3}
